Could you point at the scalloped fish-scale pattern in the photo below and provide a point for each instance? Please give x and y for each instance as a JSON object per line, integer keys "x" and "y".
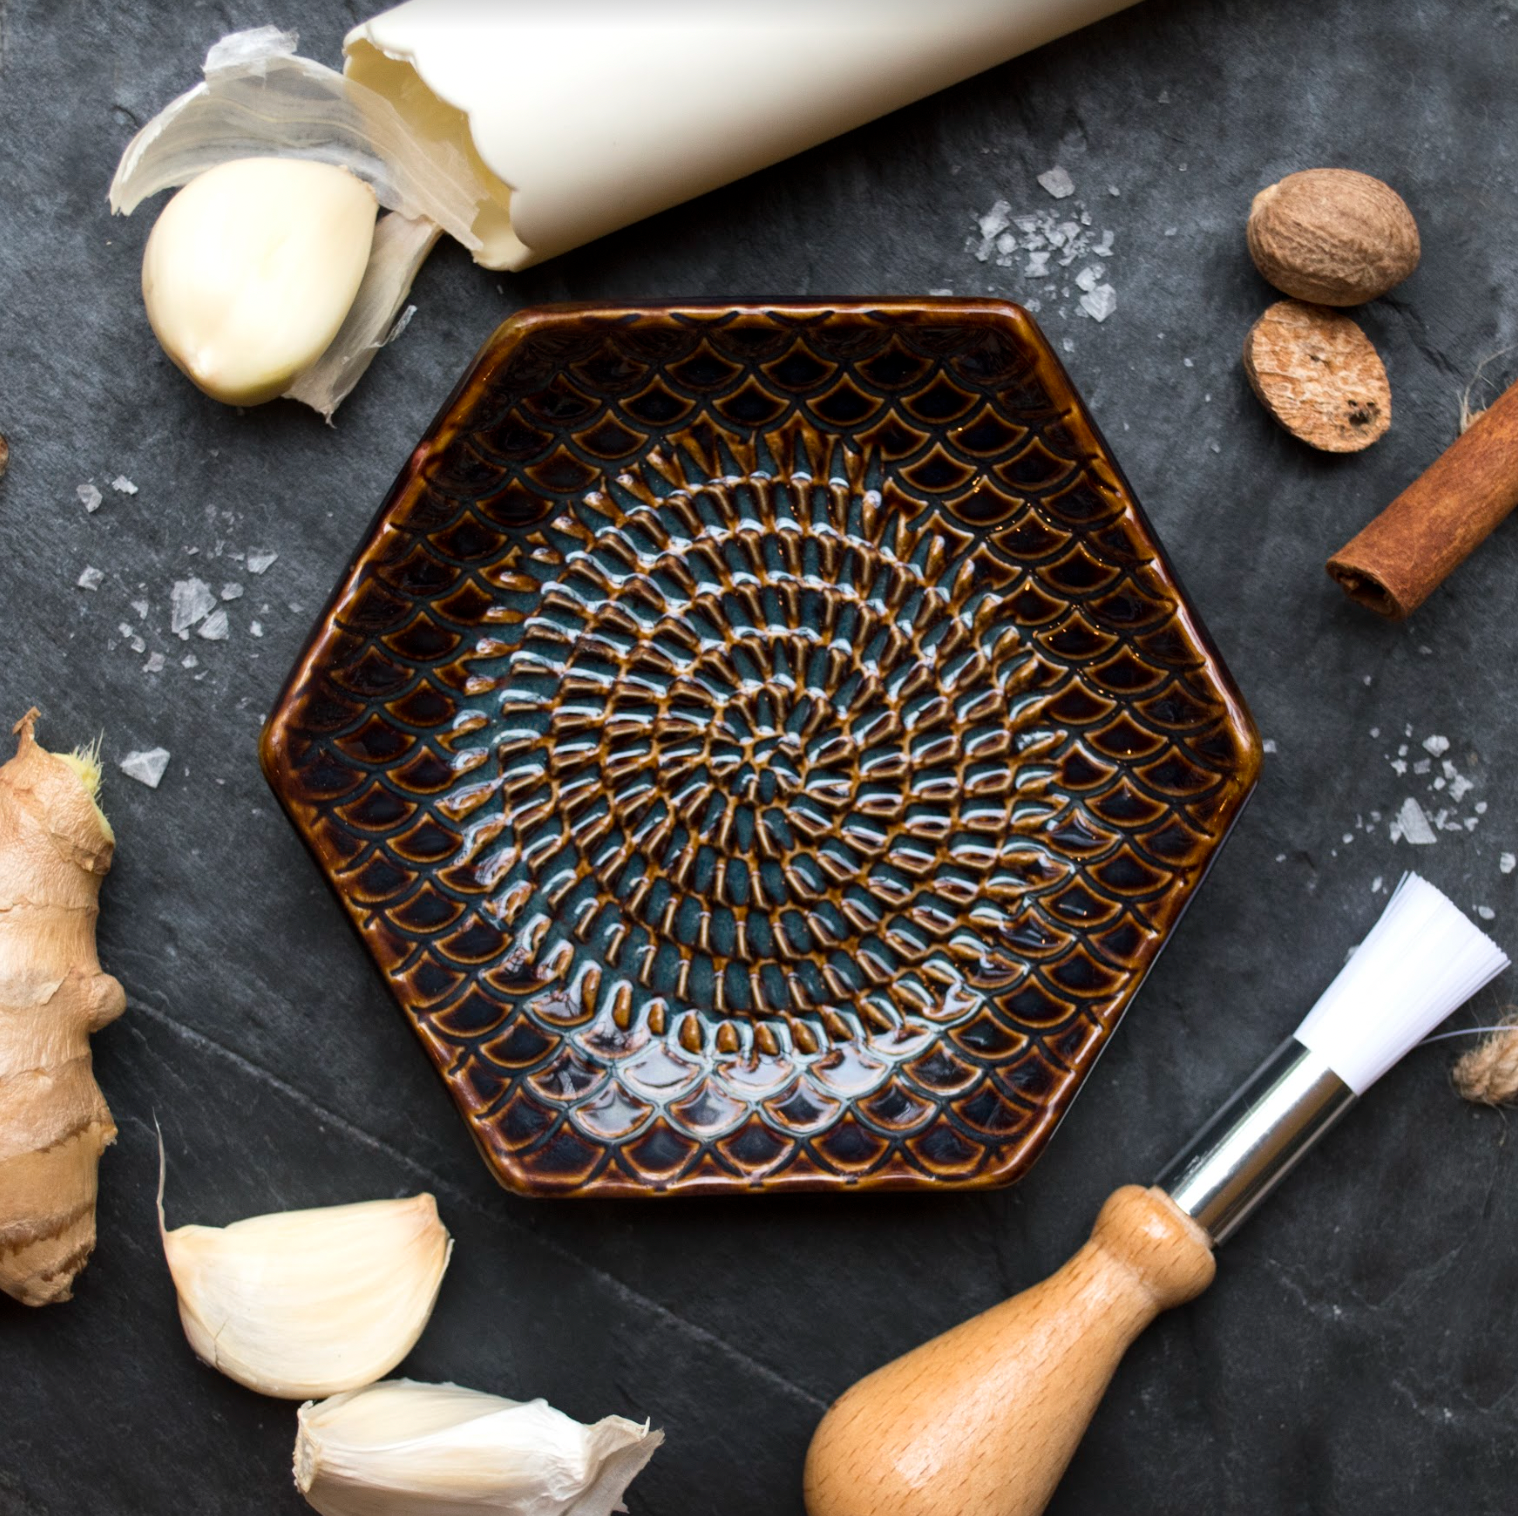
{"x": 762, "y": 747}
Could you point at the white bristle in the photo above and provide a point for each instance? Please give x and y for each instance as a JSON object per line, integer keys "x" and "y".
{"x": 1418, "y": 963}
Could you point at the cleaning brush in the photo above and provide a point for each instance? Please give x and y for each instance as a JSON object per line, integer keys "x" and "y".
{"x": 983, "y": 1420}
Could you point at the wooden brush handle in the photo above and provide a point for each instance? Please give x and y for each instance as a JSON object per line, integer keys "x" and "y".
{"x": 983, "y": 1420}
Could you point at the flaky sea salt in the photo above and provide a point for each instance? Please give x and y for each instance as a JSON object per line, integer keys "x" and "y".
{"x": 123, "y": 486}
{"x": 1057, "y": 182}
{"x": 190, "y": 601}
{"x": 1100, "y": 302}
{"x": 1269, "y": 745}
{"x": 1436, "y": 745}
{"x": 1486, "y": 913}
{"x": 1507, "y": 863}
{"x": 90, "y": 497}
{"x": 90, "y": 579}
{"x": 146, "y": 767}
{"x": 142, "y": 608}
{"x": 255, "y": 628}
{"x": 1413, "y": 824}
{"x": 154, "y": 665}
{"x": 231, "y": 592}
{"x": 215, "y": 628}
{"x": 260, "y": 559}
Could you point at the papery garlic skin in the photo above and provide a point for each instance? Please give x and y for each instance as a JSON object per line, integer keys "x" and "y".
{"x": 251, "y": 268}
{"x": 307, "y": 1303}
{"x": 436, "y": 1450}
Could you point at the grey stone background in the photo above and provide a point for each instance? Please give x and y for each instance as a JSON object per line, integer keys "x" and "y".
{"x": 1359, "y": 1352}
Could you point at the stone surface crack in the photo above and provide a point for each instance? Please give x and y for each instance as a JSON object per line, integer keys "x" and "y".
{"x": 619, "y": 1288}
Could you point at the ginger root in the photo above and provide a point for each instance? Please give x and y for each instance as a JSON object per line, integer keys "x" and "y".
{"x": 55, "y": 848}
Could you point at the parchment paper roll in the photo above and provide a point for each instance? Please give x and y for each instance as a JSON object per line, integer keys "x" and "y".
{"x": 581, "y": 117}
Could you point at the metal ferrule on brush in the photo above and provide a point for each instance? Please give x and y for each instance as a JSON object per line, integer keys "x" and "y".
{"x": 1240, "y": 1156}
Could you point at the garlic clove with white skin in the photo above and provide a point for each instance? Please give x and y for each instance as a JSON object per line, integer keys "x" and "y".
{"x": 252, "y": 267}
{"x": 304, "y": 1303}
{"x": 436, "y": 1449}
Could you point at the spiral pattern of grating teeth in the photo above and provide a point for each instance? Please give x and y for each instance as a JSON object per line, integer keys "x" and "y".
{"x": 759, "y": 759}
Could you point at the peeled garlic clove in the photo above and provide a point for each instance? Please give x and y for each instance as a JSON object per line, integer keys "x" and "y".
{"x": 251, "y": 269}
{"x": 432, "y": 1449}
{"x": 303, "y": 1303}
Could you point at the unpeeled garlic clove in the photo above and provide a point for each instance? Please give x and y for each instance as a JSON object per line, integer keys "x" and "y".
{"x": 252, "y": 267}
{"x": 304, "y": 1303}
{"x": 434, "y": 1449}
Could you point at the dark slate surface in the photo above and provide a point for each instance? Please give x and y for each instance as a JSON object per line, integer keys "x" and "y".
{"x": 1357, "y": 1353}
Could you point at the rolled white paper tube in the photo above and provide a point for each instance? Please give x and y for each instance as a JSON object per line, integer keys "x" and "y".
{"x": 585, "y": 115}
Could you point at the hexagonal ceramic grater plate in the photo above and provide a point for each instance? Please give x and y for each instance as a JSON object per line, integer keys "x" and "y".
{"x": 762, "y": 746}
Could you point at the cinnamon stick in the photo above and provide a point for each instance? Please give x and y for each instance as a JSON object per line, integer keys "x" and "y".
{"x": 1435, "y": 524}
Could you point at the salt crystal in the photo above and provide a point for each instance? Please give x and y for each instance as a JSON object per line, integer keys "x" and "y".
{"x": 1348, "y": 837}
{"x": 126, "y": 629}
{"x": 189, "y": 661}
{"x": 1486, "y": 913}
{"x": 1113, "y": 190}
{"x": 1438, "y": 746}
{"x": 1280, "y": 857}
{"x": 255, "y": 628}
{"x": 1189, "y": 363}
{"x": 122, "y": 485}
{"x": 1366, "y": 681}
{"x": 1481, "y": 807}
{"x": 1507, "y": 863}
{"x": 1038, "y": 266}
{"x": 940, "y": 292}
{"x": 1439, "y": 785}
{"x": 90, "y": 579}
{"x": 1066, "y": 343}
{"x": 190, "y": 600}
{"x": 1089, "y": 278}
{"x": 1268, "y": 745}
{"x": 1375, "y": 885}
{"x": 994, "y": 221}
{"x": 260, "y": 558}
{"x": 142, "y": 608}
{"x": 1414, "y": 824}
{"x": 1100, "y": 303}
{"x": 231, "y": 592}
{"x": 215, "y": 627}
{"x": 90, "y": 496}
{"x": 1375, "y": 731}
{"x": 1170, "y": 231}
{"x": 1057, "y": 182}
{"x": 1422, "y": 766}
{"x": 1103, "y": 249}
{"x": 1460, "y": 787}
{"x": 1402, "y": 751}
{"x": 146, "y": 767}
{"x": 154, "y": 663}
{"x": 1163, "y": 97}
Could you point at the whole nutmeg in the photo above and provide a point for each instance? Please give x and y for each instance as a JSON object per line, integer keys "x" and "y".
{"x": 1332, "y": 236}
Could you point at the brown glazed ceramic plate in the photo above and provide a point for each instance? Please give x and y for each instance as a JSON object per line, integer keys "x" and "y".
{"x": 762, "y": 746}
